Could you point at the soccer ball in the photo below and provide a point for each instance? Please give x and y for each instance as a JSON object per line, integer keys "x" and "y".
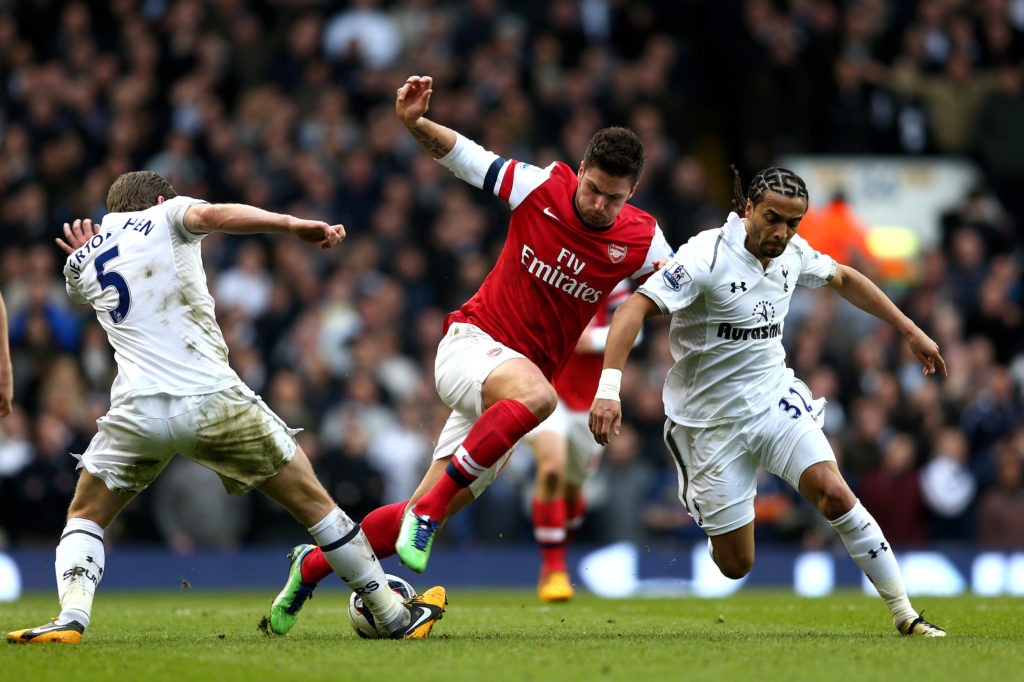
{"x": 359, "y": 614}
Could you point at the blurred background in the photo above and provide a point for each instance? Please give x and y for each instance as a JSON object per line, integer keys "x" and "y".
{"x": 906, "y": 118}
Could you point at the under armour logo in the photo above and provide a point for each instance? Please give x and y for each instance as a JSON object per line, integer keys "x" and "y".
{"x": 875, "y": 552}
{"x": 742, "y": 286}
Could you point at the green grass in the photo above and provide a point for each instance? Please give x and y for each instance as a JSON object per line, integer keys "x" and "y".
{"x": 196, "y": 636}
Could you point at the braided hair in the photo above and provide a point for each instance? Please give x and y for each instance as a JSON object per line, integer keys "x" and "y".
{"x": 774, "y": 179}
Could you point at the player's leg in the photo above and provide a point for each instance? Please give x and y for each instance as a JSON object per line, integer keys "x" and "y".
{"x": 549, "y": 513}
{"x": 516, "y": 397}
{"x": 475, "y": 375}
{"x": 733, "y": 551}
{"x": 344, "y": 546}
{"x": 717, "y": 485}
{"x": 823, "y": 486}
{"x": 382, "y": 525}
{"x": 308, "y": 565}
{"x": 79, "y": 561}
{"x": 575, "y": 509}
{"x": 127, "y": 453}
{"x": 798, "y": 452}
{"x": 235, "y": 434}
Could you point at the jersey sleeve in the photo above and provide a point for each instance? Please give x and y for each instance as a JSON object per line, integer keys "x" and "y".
{"x": 508, "y": 179}
{"x": 659, "y": 250}
{"x": 679, "y": 283}
{"x": 74, "y": 283}
{"x": 816, "y": 269}
{"x": 176, "y": 208}
{"x": 71, "y": 285}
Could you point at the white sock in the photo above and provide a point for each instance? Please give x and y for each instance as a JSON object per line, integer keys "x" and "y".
{"x": 79, "y": 567}
{"x": 350, "y": 555}
{"x": 869, "y": 548}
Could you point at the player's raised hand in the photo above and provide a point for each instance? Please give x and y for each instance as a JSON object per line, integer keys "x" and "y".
{"x": 318, "y": 232}
{"x": 413, "y": 99}
{"x": 76, "y": 234}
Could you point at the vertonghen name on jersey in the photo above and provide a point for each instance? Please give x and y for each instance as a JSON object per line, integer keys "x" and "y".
{"x": 75, "y": 260}
{"x": 555, "y": 276}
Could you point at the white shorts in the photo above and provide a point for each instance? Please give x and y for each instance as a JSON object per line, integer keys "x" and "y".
{"x": 718, "y": 465}
{"x": 582, "y": 451}
{"x": 232, "y": 432}
{"x": 465, "y": 358}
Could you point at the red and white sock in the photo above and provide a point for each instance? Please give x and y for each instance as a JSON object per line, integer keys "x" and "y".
{"x": 498, "y": 429}
{"x": 549, "y": 531}
{"x": 575, "y": 513}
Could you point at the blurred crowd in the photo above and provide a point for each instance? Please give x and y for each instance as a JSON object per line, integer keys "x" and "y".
{"x": 288, "y": 105}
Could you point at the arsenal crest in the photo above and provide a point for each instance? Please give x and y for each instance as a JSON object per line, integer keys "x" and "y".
{"x": 616, "y": 252}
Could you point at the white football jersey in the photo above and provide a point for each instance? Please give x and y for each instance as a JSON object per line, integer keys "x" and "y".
{"x": 728, "y": 316}
{"x": 143, "y": 275}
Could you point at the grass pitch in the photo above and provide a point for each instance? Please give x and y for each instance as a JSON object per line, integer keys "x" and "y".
{"x": 196, "y": 635}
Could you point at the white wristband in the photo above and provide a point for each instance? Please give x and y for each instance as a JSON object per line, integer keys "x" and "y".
{"x": 611, "y": 381}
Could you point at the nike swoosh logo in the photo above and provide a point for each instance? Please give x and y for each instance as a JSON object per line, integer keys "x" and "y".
{"x": 547, "y": 212}
{"x": 423, "y": 616}
{"x": 54, "y": 627}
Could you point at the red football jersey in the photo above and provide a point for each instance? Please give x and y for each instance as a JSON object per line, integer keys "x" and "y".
{"x": 553, "y": 272}
{"x": 577, "y": 382}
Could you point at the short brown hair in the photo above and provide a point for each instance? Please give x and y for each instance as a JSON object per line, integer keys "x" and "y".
{"x": 618, "y": 152}
{"x": 137, "y": 191}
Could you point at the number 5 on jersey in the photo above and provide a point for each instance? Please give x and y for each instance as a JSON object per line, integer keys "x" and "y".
{"x": 112, "y": 278}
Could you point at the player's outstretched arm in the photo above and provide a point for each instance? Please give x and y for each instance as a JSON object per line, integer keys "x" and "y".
{"x": 411, "y": 103}
{"x": 606, "y": 410}
{"x": 865, "y": 294}
{"x": 245, "y": 219}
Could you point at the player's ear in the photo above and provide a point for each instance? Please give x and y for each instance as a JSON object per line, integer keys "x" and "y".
{"x": 160, "y": 199}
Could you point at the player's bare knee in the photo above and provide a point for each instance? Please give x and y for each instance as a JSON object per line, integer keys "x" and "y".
{"x": 549, "y": 477}
{"x": 835, "y": 499}
{"x": 545, "y": 401}
{"x": 735, "y": 568}
{"x": 539, "y": 398}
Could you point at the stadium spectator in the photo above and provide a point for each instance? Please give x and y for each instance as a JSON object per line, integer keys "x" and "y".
{"x": 192, "y": 511}
{"x": 893, "y": 490}
{"x": 1001, "y": 507}
{"x": 175, "y": 393}
{"x": 731, "y": 403}
{"x": 948, "y": 487}
{"x": 835, "y": 229}
{"x": 625, "y": 477}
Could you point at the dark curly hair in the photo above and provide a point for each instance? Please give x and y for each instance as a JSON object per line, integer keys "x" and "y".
{"x": 618, "y": 152}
